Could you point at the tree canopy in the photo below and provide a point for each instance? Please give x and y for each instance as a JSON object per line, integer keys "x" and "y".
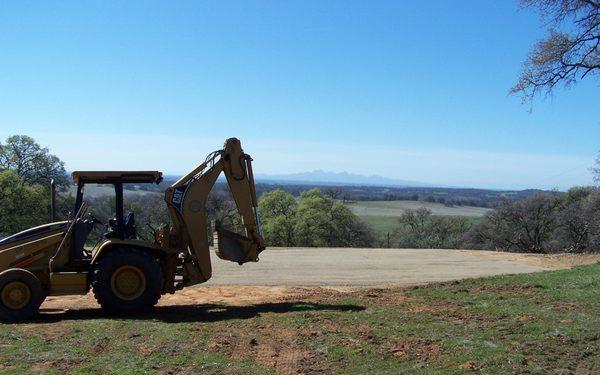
{"x": 278, "y": 210}
{"x": 21, "y": 206}
{"x": 421, "y": 229}
{"x": 31, "y": 162}
{"x": 315, "y": 219}
{"x": 569, "y": 52}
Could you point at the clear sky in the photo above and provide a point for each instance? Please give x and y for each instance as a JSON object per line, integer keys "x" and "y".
{"x": 404, "y": 89}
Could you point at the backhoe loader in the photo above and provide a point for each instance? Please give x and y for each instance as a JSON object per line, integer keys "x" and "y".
{"x": 126, "y": 273}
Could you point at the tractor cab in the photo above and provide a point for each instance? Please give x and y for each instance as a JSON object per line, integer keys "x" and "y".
{"x": 121, "y": 226}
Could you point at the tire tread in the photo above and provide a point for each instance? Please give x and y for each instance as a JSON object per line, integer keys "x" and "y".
{"x": 120, "y": 257}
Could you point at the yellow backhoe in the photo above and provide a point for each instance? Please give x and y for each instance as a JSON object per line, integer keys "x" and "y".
{"x": 128, "y": 274}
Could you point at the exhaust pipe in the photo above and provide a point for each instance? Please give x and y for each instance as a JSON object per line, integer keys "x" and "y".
{"x": 52, "y": 201}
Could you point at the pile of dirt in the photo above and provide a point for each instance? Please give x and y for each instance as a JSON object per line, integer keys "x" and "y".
{"x": 227, "y": 295}
{"x": 559, "y": 261}
{"x": 271, "y": 348}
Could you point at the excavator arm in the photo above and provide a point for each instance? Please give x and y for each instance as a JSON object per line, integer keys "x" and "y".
{"x": 186, "y": 201}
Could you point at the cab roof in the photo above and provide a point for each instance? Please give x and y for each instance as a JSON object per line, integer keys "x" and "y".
{"x": 109, "y": 177}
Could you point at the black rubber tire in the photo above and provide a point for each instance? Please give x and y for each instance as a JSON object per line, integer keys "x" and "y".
{"x": 35, "y": 289}
{"x": 105, "y": 267}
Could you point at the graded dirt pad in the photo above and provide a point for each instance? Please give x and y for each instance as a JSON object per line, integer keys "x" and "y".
{"x": 288, "y": 272}
{"x": 344, "y": 266}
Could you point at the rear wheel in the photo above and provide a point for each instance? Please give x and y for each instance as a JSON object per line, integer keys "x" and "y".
{"x": 21, "y": 294}
{"x": 127, "y": 280}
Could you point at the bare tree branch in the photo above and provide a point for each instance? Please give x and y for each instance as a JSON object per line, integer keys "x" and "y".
{"x": 562, "y": 57}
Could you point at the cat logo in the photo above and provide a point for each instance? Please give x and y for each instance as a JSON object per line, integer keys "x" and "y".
{"x": 177, "y": 199}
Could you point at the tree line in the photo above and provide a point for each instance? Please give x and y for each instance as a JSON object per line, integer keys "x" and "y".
{"x": 539, "y": 223}
{"x": 542, "y": 223}
{"x": 447, "y": 196}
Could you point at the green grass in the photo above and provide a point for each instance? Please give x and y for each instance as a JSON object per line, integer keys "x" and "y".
{"x": 529, "y": 323}
{"x": 381, "y": 225}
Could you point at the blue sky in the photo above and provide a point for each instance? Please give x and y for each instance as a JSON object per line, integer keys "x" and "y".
{"x": 407, "y": 90}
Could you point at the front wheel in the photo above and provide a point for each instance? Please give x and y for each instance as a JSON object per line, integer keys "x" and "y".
{"x": 21, "y": 294}
{"x": 127, "y": 280}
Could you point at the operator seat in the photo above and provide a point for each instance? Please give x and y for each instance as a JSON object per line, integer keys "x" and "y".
{"x": 129, "y": 225}
{"x": 81, "y": 231}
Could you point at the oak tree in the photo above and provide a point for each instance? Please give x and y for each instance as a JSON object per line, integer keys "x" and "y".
{"x": 31, "y": 162}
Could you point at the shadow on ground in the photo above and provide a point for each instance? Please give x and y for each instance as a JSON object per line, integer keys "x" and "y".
{"x": 194, "y": 313}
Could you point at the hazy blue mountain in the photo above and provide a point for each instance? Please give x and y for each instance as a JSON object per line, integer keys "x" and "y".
{"x": 320, "y": 177}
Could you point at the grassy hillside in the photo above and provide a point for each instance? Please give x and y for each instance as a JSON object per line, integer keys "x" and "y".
{"x": 532, "y": 323}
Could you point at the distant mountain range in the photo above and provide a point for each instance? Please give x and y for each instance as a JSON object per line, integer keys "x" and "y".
{"x": 320, "y": 177}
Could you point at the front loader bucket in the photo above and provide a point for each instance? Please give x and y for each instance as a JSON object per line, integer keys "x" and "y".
{"x": 233, "y": 247}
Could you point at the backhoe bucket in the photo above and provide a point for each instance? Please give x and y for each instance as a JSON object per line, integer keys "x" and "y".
{"x": 232, "y": 246}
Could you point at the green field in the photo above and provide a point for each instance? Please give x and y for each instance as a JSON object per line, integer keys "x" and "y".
{"x": 382, "y": 225}
{"x": 396, "y": 208}
{"x": 531, "y": 323}
{"x": 382, "y": 216}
